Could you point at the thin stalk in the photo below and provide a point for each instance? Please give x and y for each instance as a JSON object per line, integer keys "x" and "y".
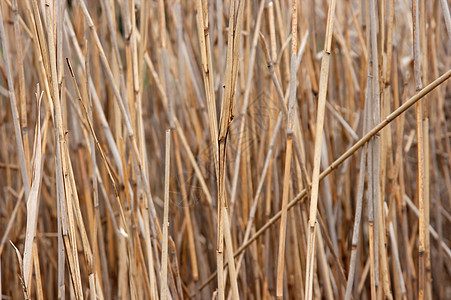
{"x": 324, "y": 76}
{"x": 289, "y": 145}
{"x": 164, "y": 251}
{"x": 227, "y": 115}
{"x": 357, "y": 219}
{"x": 420, "y": 153}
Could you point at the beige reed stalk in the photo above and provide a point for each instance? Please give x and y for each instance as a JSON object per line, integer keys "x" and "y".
{"x": 420, "y": 153}
{"x": 289, "y": 146}
{"x": 164, "y": 251}
{"x": 227, "y": 114}
{"x": 324, "y": 76}
{"x": 207, "y": 73}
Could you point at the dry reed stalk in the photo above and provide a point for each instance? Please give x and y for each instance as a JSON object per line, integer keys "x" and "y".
{"x": 186, "y": 210}
{"x": 396, "y": 258}
{"x": 63, "y": 165}
{"x": 283, "y": 221}
{"x": 37, "y": 271}
{"x": 323, "y": 267}
{"x": 324, "y": 76}
{"x": 420, "y": 153}
{"x": 386, "y": 160}
{"x": 138, "y": 77}
{"x": 289, "y": 145}
{"x": 227, "y": 115}
{"x": 118, "y": 60}
{"x": 33, "y": 202}
{"x": 423, "y": 22}
{"x": 208, "y": 73}
{"x": 245, "y": 105}
{"x": 357, "y": 220}
{"x": 164, "y": 251}
{"x": 374, "y": 150}
{"x": 272, "y": 130}
{"x": 95, "y": 193}
{"x": 283, "y": 37}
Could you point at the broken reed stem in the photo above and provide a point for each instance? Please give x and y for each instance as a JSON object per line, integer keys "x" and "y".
{"x": 324, "y": 76}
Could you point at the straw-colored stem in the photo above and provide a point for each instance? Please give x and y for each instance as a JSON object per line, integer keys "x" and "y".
{"x": 324, "y": 76}
{"x": 164, "y": 251}
{"x": 283, "y": 220}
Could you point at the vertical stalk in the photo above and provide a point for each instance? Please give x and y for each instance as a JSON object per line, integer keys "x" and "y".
{"x": 164, "y": 251}
{"x": 289, "y": 145}
{"x": 420, "y": 152}
{"x": 324, "y": 76}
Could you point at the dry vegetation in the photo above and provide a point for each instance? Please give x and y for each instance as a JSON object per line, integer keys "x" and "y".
{"x": 146, "y": 142}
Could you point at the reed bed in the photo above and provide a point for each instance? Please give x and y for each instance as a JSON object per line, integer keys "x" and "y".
{"x": 201, "y": 149}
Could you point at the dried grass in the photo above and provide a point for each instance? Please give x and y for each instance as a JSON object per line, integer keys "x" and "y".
{"x": 98, "y": 98}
